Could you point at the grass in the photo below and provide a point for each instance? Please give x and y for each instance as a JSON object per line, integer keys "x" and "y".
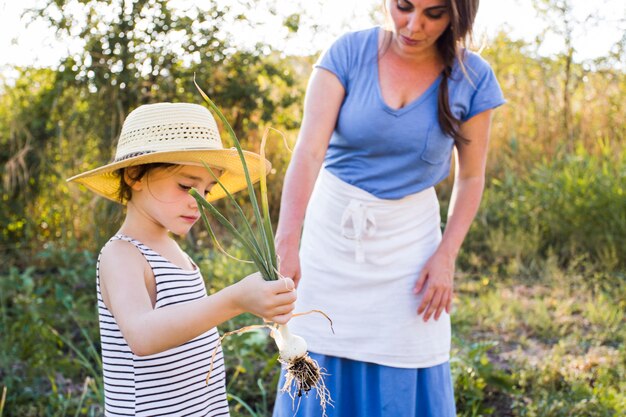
{"x": 550, "y": 346}
{"x": 560, "y": 346}
{"x": 538, "y": 320}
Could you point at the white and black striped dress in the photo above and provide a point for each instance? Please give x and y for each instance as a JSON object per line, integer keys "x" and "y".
{"x": 170, "y": 383}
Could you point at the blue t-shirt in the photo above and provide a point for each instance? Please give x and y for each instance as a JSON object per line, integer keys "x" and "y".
{"x": 392, "y": 153}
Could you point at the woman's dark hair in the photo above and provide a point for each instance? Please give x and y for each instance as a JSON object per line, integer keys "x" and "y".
{"x": 451, "y": 44}
{"x": 128, "y": 177}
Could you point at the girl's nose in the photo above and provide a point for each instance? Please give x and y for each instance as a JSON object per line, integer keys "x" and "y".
{"x": 192, "y": 202}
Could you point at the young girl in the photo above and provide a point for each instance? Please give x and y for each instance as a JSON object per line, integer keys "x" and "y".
{"x": 157, "y": 324}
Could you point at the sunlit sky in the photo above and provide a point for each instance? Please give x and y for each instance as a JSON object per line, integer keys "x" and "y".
{"x": 35, "y": 44}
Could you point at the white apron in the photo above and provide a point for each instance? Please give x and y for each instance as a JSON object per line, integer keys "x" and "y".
{"x": 360, "y": 257}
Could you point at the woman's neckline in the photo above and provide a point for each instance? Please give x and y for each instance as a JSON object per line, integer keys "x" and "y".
{"x": 374, "y": 43}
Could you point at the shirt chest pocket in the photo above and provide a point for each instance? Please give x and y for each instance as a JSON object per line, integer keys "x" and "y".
{"x": 438, "y": 147}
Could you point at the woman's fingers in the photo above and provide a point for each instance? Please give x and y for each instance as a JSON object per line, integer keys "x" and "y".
{"x": 420, "y": 282}
{"x": 449, "y": 305}
{"x": 296, "y": 277}
{"x": 428, "y": 296}
{"x": 293, "y": 272}
{"x": 289, "y": 266}
{"x": 434, "y": 302}
{"x": 445, "y": 299}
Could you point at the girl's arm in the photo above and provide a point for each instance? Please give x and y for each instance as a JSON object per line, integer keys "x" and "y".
{"x": 123, "y": 274}
{"x": 438, "y": 273}
{"x": 321, "y": 107}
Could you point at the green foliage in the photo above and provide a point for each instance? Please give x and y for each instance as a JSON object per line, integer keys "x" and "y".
{"x": 563, "y": 383}
{"x": 478, "y": 383}
{"x": 569, "y": 206}
{"x": 57, "y": 123}
{"x": 540, "y": 314}
{"x": 559, "y": 342}
{"x": 47, "y": 359}
{"x": 555, "y": 348}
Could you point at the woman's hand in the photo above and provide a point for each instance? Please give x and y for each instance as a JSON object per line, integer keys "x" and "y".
{"x": 288, "y": 260}
{"x": 436, "y": 279}
{"x": 271, "y": 300}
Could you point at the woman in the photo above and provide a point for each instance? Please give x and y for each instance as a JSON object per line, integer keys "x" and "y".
{"x": 383, "y": 113}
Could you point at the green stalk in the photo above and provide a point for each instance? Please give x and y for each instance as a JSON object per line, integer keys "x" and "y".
{"x": 256, "y": 257}
{"x": 266, "y": 251}
{"x": 216, "y": 242}
{"x": 233, "y": 136}
{"x": 3, "y": 400}
{"x": 82, "y": 397}
{"x": 245, "y": 221}
{"x": 267, "y": 224}
{"x": 82, "y": 359}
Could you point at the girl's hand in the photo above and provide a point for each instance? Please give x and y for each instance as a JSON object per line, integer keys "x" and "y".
{"x": 436, "y": 278}
{"x": 271, "y": 300}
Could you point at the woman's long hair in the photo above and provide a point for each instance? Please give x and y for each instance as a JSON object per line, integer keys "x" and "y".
{"x": 451, "y": 44}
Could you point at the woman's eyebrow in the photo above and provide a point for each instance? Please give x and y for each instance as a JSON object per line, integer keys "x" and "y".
{"x": 443, "y": 6}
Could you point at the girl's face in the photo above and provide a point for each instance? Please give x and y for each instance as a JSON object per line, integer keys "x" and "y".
{"x": 162, "y": 195}
{"x": 417, "y": 24}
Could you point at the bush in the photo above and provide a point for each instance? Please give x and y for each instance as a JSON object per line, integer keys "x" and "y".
{"x": 571, "y": 206}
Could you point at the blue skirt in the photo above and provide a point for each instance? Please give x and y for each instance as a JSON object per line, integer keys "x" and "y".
{"x": 362, "y": 389}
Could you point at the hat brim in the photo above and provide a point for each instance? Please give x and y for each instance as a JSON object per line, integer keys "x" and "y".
{"x": 106, "y": 183}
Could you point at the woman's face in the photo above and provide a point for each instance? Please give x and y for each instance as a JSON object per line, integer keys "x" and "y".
{"x": 417, "y": 24}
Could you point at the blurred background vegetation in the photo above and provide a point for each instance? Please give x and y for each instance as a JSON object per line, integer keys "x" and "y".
{"x": 541, "y": 289}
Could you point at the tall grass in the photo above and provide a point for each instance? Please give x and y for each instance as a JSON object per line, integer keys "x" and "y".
{"x": 569, "y": 205}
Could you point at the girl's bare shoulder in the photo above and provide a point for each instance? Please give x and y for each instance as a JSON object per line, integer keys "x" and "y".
{"x": 121, "y": 255}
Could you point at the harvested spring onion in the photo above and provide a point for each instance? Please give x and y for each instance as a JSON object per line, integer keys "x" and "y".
{"x": 302, "y": 372}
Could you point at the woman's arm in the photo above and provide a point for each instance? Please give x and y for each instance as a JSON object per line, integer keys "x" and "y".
{"x": 321, "y": 107}
{"x": 469, "y": 182}
{"x": 123, "y": 274}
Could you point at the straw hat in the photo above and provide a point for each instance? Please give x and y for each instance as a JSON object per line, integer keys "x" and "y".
{"x": 177, "y": 133}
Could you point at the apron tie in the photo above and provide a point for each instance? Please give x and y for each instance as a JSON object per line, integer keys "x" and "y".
{"x": 363, "y": 224}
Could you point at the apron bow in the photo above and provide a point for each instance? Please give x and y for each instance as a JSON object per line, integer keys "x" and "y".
{"x": 358, "y": 217}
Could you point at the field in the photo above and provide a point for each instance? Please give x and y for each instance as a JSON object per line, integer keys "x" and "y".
{"x": 538, "y": 321}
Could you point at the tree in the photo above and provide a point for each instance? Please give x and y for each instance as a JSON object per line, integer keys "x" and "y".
{"x": 562, "y": 22}
{"x": 67, "y": 120}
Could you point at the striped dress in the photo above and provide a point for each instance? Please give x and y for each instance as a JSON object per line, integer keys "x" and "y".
{"x": 170, "y": 383}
